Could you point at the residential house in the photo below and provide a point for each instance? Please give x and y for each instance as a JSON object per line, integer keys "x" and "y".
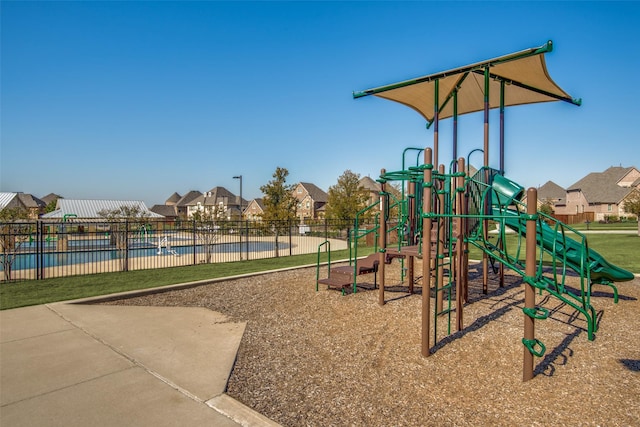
{"x": 167, "y": 211}
{"x": 254, "y": 210}
{"x": 170, "y": 208}
{"x": 311, "y": 201}
{"x": 631, "y": 196}
{"x": 372, "y": 186}
{"x": 50, "y": 199}
{"x": 551, "y": 193}
{"x": 183, "y": 202}
{"x": 602, "y": 193}
{"x": 31, "y": 204}
{"x": 173, "y": 199}
{"x": 218, "y": 199}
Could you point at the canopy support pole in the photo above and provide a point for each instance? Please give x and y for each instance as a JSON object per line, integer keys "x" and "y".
{"x": 502, "y": 86}
{"x": 502, "y": 127}
{"x": 485, "y": 222}
{"x": 455, "y": 127}
{"x": 436, "y": 120}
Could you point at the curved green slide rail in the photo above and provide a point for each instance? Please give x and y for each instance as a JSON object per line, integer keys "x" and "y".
{"x": 553, "y": 240}
{"x": 602, "y": 271}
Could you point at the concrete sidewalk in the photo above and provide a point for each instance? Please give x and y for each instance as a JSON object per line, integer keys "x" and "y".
{"x": 77, "y": 365}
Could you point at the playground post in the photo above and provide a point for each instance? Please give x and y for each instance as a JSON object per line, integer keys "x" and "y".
{"x": 529, "y": 291}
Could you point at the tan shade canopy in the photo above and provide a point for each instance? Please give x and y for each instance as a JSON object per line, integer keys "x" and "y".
{"x": 524, "y": 74}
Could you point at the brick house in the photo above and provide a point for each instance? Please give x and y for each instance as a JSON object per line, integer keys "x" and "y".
{"x": 254, "y": 210}
{"x": 372, "y": 186}
{"x": 227, "y": 203}
{"x": 311, "y": 201}
{"x": 551, "y": 193}
{"x": 31, "y": 204}
{"x": 181, "y": 203}
{"x": 602, "y": 193}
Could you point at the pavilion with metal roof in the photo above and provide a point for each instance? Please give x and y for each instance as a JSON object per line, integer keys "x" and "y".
{"x": 90, "y": 209}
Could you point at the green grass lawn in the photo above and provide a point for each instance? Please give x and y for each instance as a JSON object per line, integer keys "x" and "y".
{"x": 596, "y": 226}
{"x": 622, "y": 250}
{"x": 20, "y": 294}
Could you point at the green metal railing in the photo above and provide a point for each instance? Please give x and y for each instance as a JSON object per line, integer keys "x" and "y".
{"x": 557, "y": 254}
{"x": 326, "y": 243}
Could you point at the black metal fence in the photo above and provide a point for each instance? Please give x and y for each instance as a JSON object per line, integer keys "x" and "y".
{"x": 39, "y": 250}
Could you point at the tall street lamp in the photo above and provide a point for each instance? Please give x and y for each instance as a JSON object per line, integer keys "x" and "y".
{"x": 241, "y": 207}
{"x": 240, "y": 178}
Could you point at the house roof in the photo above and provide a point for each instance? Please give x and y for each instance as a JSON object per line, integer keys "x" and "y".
{"x": 551, "y": 191}
{"x": 173, "y": 199}
{"x": 51, "y": 197}
{"x": 89, "y": 209}
{"x": 601, "y": 187}
{"x": 25, "y": 200}
{"x": 167, "y": 211}
{"x": 215, "y": 196}
{"x": 188, "y": 198}
{"x": 315, "y": 192}
{"x": 369, "y": 184}
{"x": 5, "y": 199}
{"x": 31, "y": 201}
{"x": 259, "y": 201}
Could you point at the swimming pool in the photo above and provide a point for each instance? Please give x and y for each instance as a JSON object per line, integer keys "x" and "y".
{"x": 101, "y": 251}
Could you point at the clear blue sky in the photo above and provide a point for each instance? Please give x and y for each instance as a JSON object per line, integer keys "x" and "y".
{"x": 137, "y": 100}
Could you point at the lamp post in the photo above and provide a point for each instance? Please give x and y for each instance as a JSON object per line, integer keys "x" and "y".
{"x": 240, "y": 178}
{"x": 240, "y": 231}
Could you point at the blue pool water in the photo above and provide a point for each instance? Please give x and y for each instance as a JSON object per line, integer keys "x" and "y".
{"x": 105, "y": 252}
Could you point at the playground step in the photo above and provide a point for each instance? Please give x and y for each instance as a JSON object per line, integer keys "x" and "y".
{"x": 363, "y": 266}
{"x": 337, "y": 281}
{"x": 402, "y": 252}
{"x": 368, "y": 264}
{"x": 342, "y": 277}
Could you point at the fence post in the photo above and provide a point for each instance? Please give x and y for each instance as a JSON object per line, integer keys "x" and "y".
{"x": 126, "y": 245}
{"x": 246, "y": 237}
{"x": 326, "y": 229}
{"x": 290, "y": 239}
{"x": 39, "y": 251}
{"x": 193, "y": 232}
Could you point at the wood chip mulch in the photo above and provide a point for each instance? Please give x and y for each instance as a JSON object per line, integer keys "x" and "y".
{"x": 321, "y": 359}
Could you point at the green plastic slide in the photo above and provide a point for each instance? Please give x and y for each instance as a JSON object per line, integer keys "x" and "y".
{"x": 602, "y": 271}
{"x": 552, "y": 240}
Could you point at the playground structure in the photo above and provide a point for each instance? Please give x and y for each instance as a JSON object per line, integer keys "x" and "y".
{"x": 445, "y": 209}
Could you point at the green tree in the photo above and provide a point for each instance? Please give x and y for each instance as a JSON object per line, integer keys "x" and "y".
{"x": 346, "y": 199}
{"x": 123, "y": 221}
{"x": 546, "y": 208}
{"x": 279, "y": 204}
{"x": 51, "y": 206}
{"x": 632, "y": 205}
{"x": 14, "y": 231}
